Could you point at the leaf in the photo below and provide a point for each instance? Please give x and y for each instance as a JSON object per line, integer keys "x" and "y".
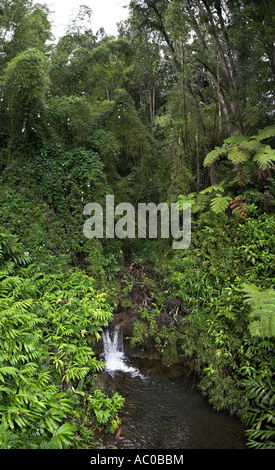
{"x": 214, "y": 187}
{"x": 9, "y": 370}
{"x": 220, "y": 203}
{"x": 214, "y": 155}
{"x": 235, "y": 139}
{"x": 63, "y": 436}
{"x": 51, "y": 424}
{"x": 182, "y": 199}
{"x": 267, "y": 132}
{"x": 265, "y": 157}
{"x": 262, "y": 310}
{"x": 66, "y": 429}
{"x": 201, "y": 203}
{"x": 11, "y": 424}
{"x": 237, "y": 155}
{"x": 250, "y": 145}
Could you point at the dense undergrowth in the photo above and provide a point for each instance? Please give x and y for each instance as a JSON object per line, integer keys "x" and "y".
{"x": 49, "y": 324}
{"x": 178, "y": 108}
{"x": 232, "y": 352}
{"x": 220, "y": 315}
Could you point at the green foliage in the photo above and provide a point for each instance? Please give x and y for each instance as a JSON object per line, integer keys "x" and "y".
{"x": 240, "y": 149}
{"x": 220, "y": 203}
{"x": 266, "y": 133}
{"x": 140, "y": 334}
{"x": 263, "y": 310}
{"x": 209, "y": 198}
{"x": 214, "y": 155}
{"x": 219, "y": 334}
{"x": 265, "y": 157}
{"x": 72, "y": 118}
{"x": 23, "y": 25}
{"x": 24, "y": 86}
{"x": 46, "y": 209}
{"x": 198, "y": 201}
{"x": 261, "y": 420}
{"x": 47, "y": 327}
{"x": 134, "y": 116}
{"x": 106, "y": 410}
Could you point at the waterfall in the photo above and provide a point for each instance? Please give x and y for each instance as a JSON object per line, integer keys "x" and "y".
{"x": 113, "y": 353}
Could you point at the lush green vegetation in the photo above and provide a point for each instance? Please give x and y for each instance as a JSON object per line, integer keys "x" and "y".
{"x": 179, "y": 107}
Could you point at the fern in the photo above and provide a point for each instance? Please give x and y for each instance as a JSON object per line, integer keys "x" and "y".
{"x": 241, "y": 149}
{"x": 253, "y": 116}
{"x": 237, "y": 155}
{"x": 220, "y": 203}
{"x": 214, "y": 155}
{"x": 202, "y": 200}
{"x": 251, "y": 145}
{"x": 9, "y": 439}
{"x": 190, "y": 199}
{"x": 263, "y": 310}
{"x": 214, "y": 187}
{"x": 235, "y": 139}
{"x": 198, "y": 202}
{"x": 266, "y": 133}
{"x": 265, "y": 157}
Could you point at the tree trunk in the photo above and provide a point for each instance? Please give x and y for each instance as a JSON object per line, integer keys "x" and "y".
{"x": 198, "y": 161}
{"x": 107, "y": 94}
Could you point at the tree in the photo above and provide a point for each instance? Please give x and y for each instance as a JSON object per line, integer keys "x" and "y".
{"x": 23, "y": 25}
{"x": 202, "y": 40}
{"x": 24, "y": 88}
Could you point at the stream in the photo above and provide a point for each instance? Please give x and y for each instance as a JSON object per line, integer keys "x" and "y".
{"x": 163, "y": 409}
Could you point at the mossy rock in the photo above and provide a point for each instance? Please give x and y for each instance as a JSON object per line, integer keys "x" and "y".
{"x": 106, "y": 384}
{"x": 170, "y": 354}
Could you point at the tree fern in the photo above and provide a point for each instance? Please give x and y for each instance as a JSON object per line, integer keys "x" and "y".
{"x": 198, "y": 202}
{"x": 208, "y": 197}
{"x": 262, "y": 310}
{"x": 251, "y": 145}
{"x": 214, "y": 187}
{"x": 241, "y": 149}
{"x": 214, "y": 155}
{"x": 265, "y": 157}
{"x": 266, "y": 133}
{"x": 237, "y": 155}
{"x": 220, "y": 203}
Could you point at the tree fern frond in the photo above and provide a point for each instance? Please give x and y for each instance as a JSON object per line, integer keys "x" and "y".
{"x": 265, "y": 157}
{"x": 251, "y": 145}
{"x": 214, "y": 155}
{"x": 266, "y": 133}
{"x": 182, "y": 199}
{"x": 263, "y": 310}
{"x": 201, "y": 203}
{"x": 214, "y": 187}
{"x": 236, "y": 155}
{"x": 220, "y": 203}
{"x": 235, "y": 139}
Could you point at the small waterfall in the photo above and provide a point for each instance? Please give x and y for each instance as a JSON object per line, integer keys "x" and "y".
{"x": 113, "y": 353}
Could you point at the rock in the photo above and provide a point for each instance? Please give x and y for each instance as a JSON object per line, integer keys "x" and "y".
{"x": 161, "y": 371}
{"x": 147, "y": 352}
{"x": 106, "y": 384}
{"x": 170, "y": 354}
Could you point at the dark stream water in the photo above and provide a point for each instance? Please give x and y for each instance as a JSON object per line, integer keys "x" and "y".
{"x": 163, "y": 409}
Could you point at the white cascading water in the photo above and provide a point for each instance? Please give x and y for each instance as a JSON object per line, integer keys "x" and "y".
{"x": 113, "y": 353}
